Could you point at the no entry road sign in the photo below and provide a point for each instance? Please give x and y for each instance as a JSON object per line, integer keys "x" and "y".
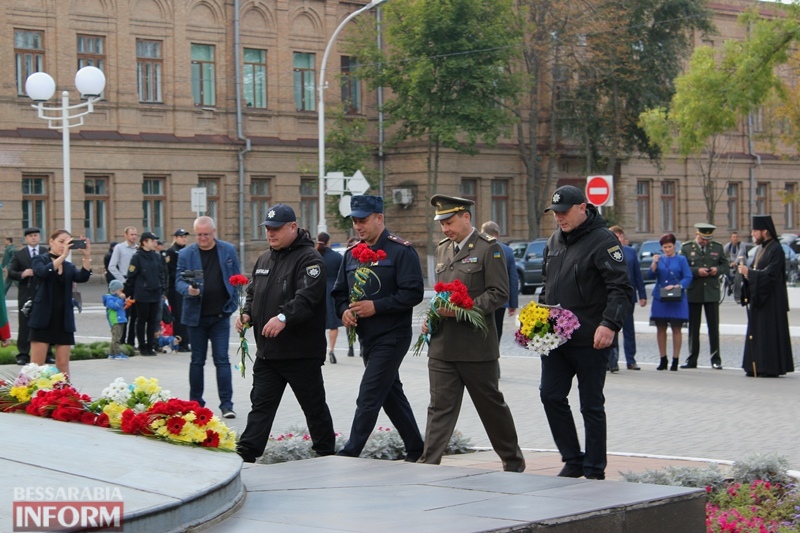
{"x": 600, "y": 190}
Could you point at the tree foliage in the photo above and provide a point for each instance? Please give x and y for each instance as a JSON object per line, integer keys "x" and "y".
{"x": 717, "y": 93}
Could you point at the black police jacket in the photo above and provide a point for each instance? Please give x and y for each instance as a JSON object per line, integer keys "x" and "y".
{"x": 147, "y": 277}
{"x": 289, "y": 281}
{"x": 585, "y": 272}
{"x": 397, "y": 289}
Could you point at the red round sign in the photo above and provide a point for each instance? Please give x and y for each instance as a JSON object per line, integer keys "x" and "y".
{"x": 598, "y": 190}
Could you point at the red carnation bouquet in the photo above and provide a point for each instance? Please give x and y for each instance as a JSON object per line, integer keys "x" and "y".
{"x": 240, "y": 283}
{"x": 367, "y": 257}
{"x": 452, "y": 297}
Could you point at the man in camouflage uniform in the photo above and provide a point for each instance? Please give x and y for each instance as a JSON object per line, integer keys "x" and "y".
{"x": 708, "y": 262}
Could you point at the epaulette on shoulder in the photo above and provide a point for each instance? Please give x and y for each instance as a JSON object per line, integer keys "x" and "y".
{"x": 352, "y": 245}
{"x": 446, "y": 239}
{"x": 397, "y": 239}
{"x": 486, "y": 238}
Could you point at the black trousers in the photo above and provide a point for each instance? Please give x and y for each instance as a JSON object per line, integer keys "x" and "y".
{"x": 270, "y": 378}
{"x": 499, "y": 315}
{"x": 712, "y": 320}
{"x": 381, "y": 387}
{"x": 131, "y": 336}
{"x": 559, "y": 367}
{"x": 178, "y": 328}
{"x": 147, "y": 323}
{"x": 24, "y": 334}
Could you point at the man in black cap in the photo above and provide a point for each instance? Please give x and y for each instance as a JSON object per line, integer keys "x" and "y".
{"x": 20, "y": 270}
{"x": 584, "y": 271}
{"x": 768, "y": 345}
{"x": 286, "y": 306}
{"x": 382, "y": 318}
{"x": 461, "y": 356}
{"x": 173, "y": 296}
{"x": 708, "y": 262}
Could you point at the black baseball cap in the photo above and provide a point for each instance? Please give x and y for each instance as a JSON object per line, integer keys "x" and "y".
{"x": 363, "y": 205}
{"x": 278, "y": 215}
{"x": 180, "y": 232}
{"x": 564, "y": 198}
{"x": 147, "y": 235}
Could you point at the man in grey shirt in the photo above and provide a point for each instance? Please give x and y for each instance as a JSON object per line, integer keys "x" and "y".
{"x": 118, "y": 267}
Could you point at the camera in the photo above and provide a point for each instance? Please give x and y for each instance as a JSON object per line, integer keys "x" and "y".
{"x": 26, "y": 308}
{"x": 193, "y": 277}
{"x": 78, "y": 244}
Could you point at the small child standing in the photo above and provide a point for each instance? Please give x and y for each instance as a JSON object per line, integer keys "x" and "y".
{"x": 114, "y": 302}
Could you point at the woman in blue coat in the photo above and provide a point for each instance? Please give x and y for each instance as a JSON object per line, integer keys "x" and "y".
{"x": 670, "y": 270}
{"x": 52, "y": 320}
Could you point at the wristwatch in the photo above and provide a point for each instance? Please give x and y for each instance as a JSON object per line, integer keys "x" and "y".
{"x": 282, "y": 317}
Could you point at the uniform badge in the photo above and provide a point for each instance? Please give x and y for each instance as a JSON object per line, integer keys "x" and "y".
{"x": 616, "y": 253}
{"x": 496, "y": 255}
{"x": 131, "y": 268}
{"x": 470, "y": 260}
{"x": 271, "y": 214}
{"x": 313, "y": 271}
{"x": 556, "y": 198}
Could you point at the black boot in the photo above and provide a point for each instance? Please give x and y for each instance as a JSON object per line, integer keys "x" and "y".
{"x": 663, "y": 364}
{"x": 674, "y": 366}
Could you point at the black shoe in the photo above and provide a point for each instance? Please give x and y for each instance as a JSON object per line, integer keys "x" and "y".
{"x": 716, "y": 366}
{"x": 332, "y": 357}
{"x": 246, "y": 456}
{"x": 23, "y": 359}
{"x": 228, "y": 413}
{"x": 614, "y": 369}
{"x": 633, "y": 366}
{"x": 595, "y": 476}
{"x": 663, "y": 364}
{"x": 183, "y": 349}
{"x": 350, "y": 352}
{"x": 674, "y": 366}
{"x": 571, "y": 471}
{"x": 689, "y": 365}
{"x": 148, "y": 353}
{"x": 50, "y": 359}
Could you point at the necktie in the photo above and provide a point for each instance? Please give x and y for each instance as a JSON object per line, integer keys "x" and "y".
{"x": 33, "y": 253}
{"x": 456, "y": 250}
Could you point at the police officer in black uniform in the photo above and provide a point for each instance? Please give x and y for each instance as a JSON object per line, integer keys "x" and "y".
{"x": 382, "y": 319}
{"x": 286, "y": 306}
{"x": 585, "y": 272}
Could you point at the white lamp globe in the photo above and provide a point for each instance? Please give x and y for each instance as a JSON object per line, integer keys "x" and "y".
{"x": 90, "y": 81}
{"x": 40, "y": 86}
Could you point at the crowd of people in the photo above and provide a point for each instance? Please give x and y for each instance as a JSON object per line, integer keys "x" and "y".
{"x": 301, "y": 291}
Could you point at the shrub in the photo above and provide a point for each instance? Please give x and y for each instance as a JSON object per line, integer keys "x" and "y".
{"x": 765, "y": 467}
{"x": 384, "y": 443}
{"x": 679, "y": 476}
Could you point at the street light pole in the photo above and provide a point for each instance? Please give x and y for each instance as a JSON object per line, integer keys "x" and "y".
{"x": 322, "y": 224}
{"x": 40, "y": 87}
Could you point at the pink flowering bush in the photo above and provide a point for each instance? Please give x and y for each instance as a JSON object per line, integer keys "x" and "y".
{"x": 760, "y": 507}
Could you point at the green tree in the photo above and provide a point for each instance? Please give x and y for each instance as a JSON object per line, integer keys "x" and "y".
{"x": 445, "y": 63}
{"x": 717, "y": 93}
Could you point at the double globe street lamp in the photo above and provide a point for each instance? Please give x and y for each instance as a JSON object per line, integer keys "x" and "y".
{"x": 40, "y": 87}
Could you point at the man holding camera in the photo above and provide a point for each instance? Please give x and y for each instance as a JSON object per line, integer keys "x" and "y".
{"x": 208, "y": 302}
{"x": 708, "y": 262}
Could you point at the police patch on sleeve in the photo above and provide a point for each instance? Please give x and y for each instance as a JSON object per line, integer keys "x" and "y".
{"x": 132, "y": 268}
{"x": 313, "y": 271}
{"x": 616, "y": 253}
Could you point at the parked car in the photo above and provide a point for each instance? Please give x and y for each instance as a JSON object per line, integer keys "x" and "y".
{"x": 645, "y": 254}
{"x": 792, "y": 240}
{"x": 529, "y": 257}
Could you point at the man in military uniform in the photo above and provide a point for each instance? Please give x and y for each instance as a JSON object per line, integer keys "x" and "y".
{"x": 382, "y": 318}
{"x": 708, "y": 262}
{"x": 461, "y": 356}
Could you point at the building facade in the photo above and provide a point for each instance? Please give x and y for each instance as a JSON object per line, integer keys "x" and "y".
{"x": 170, "y": 121}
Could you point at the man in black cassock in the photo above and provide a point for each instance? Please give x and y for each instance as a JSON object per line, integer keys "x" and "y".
{"x": 768, "y": 346}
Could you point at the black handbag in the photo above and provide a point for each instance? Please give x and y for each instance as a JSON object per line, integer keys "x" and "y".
{"x": 675, "y": 294}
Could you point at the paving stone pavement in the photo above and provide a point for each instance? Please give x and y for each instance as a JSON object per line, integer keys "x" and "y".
{"x": 702, "y": 413}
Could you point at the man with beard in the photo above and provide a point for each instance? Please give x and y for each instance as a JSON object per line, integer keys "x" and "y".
{"x": 767, "y": 346}
{"x": 286, "y": 306}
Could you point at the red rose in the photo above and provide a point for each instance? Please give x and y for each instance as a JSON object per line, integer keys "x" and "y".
{"x": 102, "y": 420}
{"x": 88, "y": 418}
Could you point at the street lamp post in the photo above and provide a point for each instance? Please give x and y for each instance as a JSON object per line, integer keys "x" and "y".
{"x": 322, "y": 225}
{"x": 90, "y": 82}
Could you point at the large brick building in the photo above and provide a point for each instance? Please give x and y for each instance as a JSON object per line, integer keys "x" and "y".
{"x": 168, "y": 122}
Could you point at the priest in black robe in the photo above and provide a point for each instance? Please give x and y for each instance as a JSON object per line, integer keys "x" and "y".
{"x": 768, "y": 346}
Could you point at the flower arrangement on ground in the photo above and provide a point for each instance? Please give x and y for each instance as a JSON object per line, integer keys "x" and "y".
{"x": 367, "y": 257}
{"x": 452, "y": 297}
{"x": 240, "y": 283}
{"x": 759, "y": 506}
{"x": 119, "y": 397}
{"x": 544, "y": 328}
{"x": 17, "y": 393}
{"x": 180, "y": 422}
